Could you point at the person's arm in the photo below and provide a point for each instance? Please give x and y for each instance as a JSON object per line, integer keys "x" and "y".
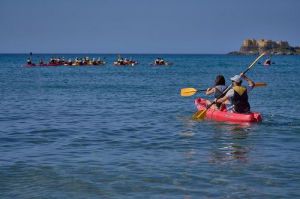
{"x": 210, "y": 91}
{"x": 222, "y": 100}
{"x": 250, "y": 82}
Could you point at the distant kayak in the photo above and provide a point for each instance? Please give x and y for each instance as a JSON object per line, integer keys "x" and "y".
{"x": 267, "y": 62}
{"x": 161, "y": 64}
{"x": 224, "y": 116}
{"x": 131, "y": 63}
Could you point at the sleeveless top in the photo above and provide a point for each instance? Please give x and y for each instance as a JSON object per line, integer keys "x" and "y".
{"x": 219, "y": 90}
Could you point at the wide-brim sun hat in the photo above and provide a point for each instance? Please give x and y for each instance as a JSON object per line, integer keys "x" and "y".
{"x": 236, "y": 78}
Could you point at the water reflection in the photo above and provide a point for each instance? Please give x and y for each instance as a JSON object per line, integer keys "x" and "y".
{"x": 215, "y": 142}
{"x": 229, "y": 152}
{"x": 230, "y": 143}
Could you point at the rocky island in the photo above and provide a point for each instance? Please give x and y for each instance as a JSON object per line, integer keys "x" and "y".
{"x": 252, "y": 46}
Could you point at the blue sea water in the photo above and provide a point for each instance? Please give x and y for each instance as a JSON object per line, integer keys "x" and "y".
{"x": 125, "y": 132}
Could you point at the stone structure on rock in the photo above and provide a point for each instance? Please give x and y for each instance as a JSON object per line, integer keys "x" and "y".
{"x": 252, "y": 46}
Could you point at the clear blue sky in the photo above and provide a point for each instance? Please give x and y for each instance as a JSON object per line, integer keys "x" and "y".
{"x": 144, "y": 26}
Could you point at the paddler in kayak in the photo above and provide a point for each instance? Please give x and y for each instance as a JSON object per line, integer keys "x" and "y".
{"x": 29, "y": 62}
{"x": 217, "y": 90}
{"x": 159, "y": 61}
{"x": 156, "y": 62}
{"x": 267, "y": 62}
{"x": 238, "y": 95}
{"x": 41, "y": 62}
{"x": 69, "y": 62}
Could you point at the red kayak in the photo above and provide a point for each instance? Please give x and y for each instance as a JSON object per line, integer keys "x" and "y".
{"x": 224, "y": 116}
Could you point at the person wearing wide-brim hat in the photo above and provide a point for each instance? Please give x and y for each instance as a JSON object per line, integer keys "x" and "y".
{"x": 238, "y": 94}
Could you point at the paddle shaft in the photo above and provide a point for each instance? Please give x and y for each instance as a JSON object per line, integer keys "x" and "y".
{"x": 251, "y": 65}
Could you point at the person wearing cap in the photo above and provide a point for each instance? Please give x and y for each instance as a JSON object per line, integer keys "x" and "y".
{"x": 238, "y": 95}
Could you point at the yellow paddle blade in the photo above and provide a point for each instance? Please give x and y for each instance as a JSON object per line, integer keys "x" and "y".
{"x": 199, "y": 115}
{"x": 194, "y": 117}
{"x": 260, "y": 84}
{"x": 188, "y": 91}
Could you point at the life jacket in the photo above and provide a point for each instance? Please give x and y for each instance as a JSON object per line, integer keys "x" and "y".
{"x": 240, "y": 100}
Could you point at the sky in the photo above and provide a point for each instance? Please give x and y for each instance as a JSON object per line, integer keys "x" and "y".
{"x": 144, "y": 26}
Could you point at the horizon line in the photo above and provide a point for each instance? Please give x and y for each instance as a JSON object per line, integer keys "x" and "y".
{"x": 109, "y": 53}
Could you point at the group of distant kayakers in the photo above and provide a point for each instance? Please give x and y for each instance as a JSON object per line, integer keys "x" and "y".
{"x": 157, "y": 62}
{"x": 58, "y": 61}
{"x": 125, "y": 61}
{"x": 86, "y": 61}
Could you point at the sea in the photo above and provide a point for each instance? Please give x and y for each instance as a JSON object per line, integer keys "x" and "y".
{"x": 126, "y": 132}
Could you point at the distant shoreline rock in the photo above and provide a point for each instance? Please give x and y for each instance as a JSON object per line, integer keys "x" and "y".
{"x": 253, "y": 47}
